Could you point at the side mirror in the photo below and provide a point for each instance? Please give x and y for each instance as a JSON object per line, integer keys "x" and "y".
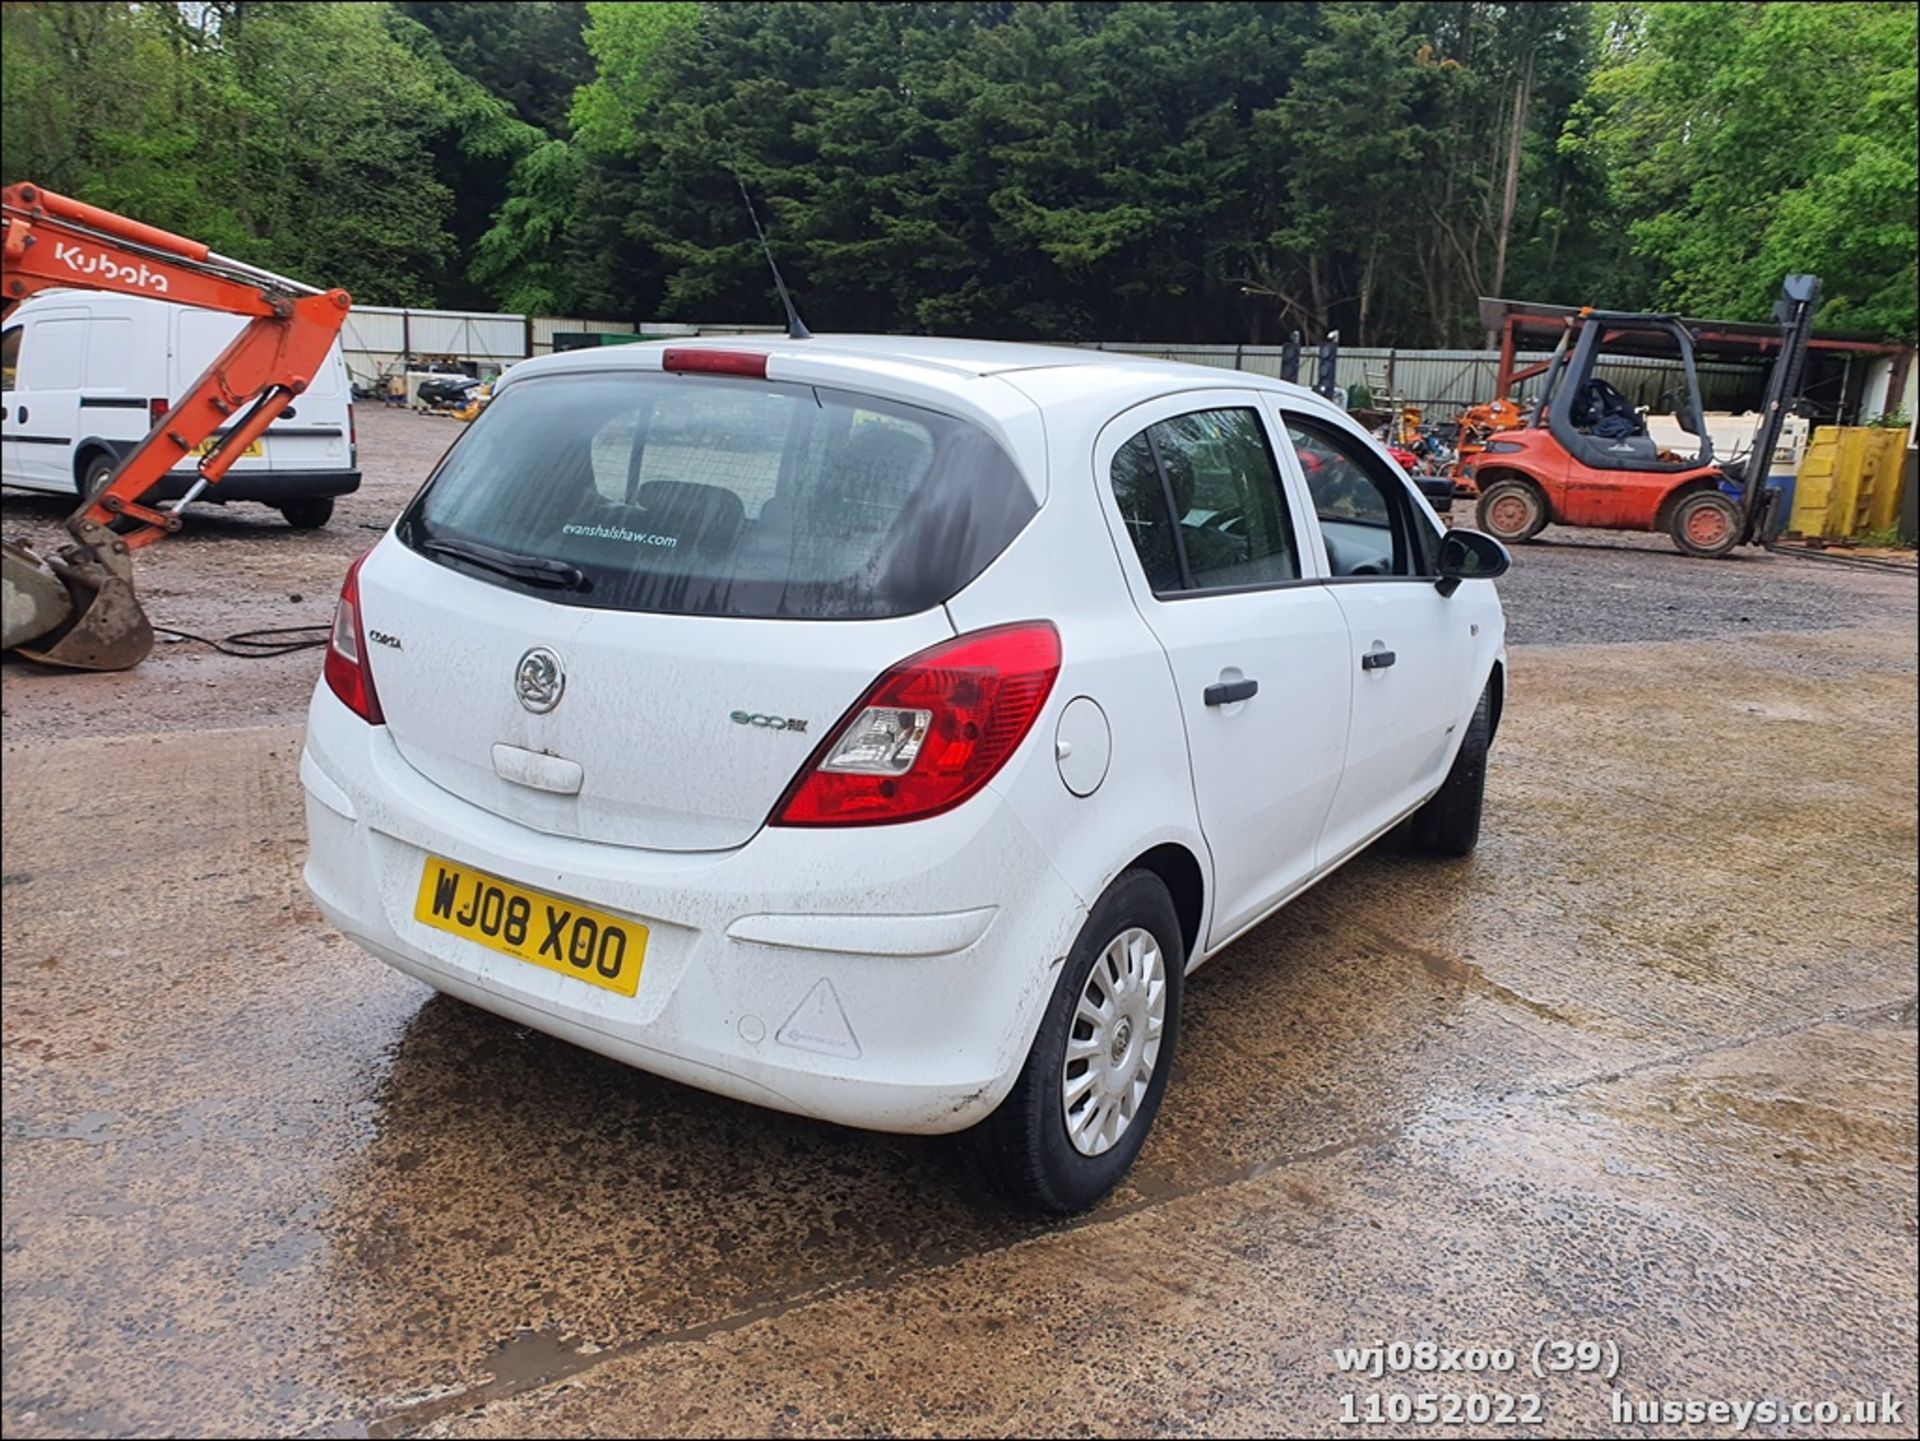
{"x": 1469, "y": 555}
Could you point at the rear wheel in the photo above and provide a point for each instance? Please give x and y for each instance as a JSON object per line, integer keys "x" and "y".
{"x": 95, "y": 474}
{"x": 1513, "y": 511}
{"x": 1705, "y": 524}
{"x": 309, "y": 512}
{"x": 1091, "y": 1086}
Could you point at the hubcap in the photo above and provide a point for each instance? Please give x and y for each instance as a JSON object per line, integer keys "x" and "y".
{"x": 1510, "y": 514}
{"x": 1706, "y": 526}
{"x": 1114, "y": 1041}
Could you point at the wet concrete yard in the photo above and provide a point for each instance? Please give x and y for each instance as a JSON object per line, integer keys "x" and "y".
{"x": 1641, "y": 1072}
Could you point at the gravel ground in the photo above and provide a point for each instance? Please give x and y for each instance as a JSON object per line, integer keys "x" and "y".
{"x": 242, "y": 569}
{"x": 1640, "y": 1071}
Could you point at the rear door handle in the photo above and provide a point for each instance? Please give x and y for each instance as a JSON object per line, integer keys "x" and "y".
{"x": 1376, "y": 660}
{"x": 1226, "y": 692}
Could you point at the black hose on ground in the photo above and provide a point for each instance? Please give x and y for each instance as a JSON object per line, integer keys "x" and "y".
{"x": 258, "y": 644}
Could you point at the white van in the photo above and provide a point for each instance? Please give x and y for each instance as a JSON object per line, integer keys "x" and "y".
{"x": 87, "y": 375}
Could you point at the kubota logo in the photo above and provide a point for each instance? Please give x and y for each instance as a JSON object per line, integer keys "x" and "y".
{"x": 85, "y": 262}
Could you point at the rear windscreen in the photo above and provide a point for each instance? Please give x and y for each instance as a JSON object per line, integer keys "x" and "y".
{"x": 704, "y": 495}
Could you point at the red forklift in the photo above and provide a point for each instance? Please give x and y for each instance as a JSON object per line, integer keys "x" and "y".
{"x": 1584, "y": 457}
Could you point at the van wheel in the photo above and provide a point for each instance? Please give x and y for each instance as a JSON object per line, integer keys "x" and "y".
{"x": 94, "y": 475}
{"x": 309, "y": 512}
{"x": 1512, "y": 511}
{"x": 1705, "y": 524}
{"x": 1091, "y": 1086}
{"x": 1449, "y": 824}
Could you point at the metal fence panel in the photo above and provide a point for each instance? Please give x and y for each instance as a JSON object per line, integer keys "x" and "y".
{"x": 1444, "y": 380}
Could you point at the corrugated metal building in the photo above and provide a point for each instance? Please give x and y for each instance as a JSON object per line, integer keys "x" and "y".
{"x": 1443, "y": 380}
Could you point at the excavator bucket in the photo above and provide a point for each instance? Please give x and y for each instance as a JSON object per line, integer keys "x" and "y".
{"x": 35, "y": 600}
{"x": 76, "y": 609}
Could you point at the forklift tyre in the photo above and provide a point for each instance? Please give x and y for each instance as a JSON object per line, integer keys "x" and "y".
{"x": 1705, "y": 524}
{"x": 1512, "y": 511}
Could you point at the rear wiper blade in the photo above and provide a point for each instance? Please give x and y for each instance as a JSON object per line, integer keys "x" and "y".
{"x": 533, "y": 569}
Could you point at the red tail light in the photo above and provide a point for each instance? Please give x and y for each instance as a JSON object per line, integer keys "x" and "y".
{"x": 930, "y": 732}
{"x": 156, "y": 407}
{"x": 348, "y": 675}
{"x": 715, "y": 362}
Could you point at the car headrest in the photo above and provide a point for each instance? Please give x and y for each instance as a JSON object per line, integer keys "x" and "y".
{"x": 707, "y": 517}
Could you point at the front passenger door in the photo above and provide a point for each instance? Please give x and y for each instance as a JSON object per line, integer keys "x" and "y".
{"x": 1410, "y": 649}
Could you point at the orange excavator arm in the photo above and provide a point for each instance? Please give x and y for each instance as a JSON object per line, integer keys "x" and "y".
{"x": 52, "y": 241}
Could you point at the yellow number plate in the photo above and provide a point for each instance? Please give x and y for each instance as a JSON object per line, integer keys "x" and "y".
{"x": 205, "y": 447}
{"x": 531, "y": 926}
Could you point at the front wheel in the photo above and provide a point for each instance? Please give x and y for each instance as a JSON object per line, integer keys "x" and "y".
{"x": 1705, "y": 524}
{"x": 1091, "y": 1086}
{"x": 1449, "y": 824}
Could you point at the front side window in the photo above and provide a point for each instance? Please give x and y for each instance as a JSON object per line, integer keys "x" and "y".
{"x": 704, "y": 496}
{"x": 10, "y": 356}
{"x": 1199, "y": 496}
{"x": 1367, "y": 520}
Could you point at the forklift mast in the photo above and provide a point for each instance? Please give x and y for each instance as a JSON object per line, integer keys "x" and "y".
{"x": 1793, "y": 312}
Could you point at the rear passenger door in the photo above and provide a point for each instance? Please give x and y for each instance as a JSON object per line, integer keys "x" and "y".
{"x": 1256, "y": 647}
{"x": 1410, "y": 650}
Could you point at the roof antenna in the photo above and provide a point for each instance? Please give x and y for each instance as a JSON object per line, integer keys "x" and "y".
{"x": 796, "y": 327}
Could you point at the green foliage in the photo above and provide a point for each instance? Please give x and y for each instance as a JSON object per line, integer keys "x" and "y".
{"x": 1749, "y": 141}
{"x": 1207, "y": 170}
{"x": 295, "y": 136}
{"x": 625, "y": 41}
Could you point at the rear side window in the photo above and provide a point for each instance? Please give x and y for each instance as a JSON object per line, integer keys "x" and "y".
{"x": 700, "y": 495}
{"x": 1200, "y": 499}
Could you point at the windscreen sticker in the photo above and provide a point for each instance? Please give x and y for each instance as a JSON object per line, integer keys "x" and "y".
{"x": 619, "y": 532}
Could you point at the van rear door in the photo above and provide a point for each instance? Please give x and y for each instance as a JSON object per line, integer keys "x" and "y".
{"x": 198, "y": 336}
{"x": 312, "y": 434}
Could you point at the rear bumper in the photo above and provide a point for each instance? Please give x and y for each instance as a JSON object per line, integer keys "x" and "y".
{"x": 848, "y": 976}
{"x": 270, "y": 487}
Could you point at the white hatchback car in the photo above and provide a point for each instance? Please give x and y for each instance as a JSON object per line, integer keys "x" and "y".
{"x": 881, "y": 729}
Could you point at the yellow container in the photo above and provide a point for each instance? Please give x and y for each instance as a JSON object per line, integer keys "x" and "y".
{"x": 1849, "y": 482}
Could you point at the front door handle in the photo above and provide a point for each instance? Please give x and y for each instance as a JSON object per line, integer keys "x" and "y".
{"x": 1376, "y": 660}
{"x": 1226, "y": 692}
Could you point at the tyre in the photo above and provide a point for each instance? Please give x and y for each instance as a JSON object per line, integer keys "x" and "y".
{"x": 1705, "y": 524}
{"x": 1511, "y": 510}
{"x": 95, "y": 474}
{"x": 309, "y": 512}
{"x": 1449, "y": 824}
{"x": 1091, "y": 1086}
